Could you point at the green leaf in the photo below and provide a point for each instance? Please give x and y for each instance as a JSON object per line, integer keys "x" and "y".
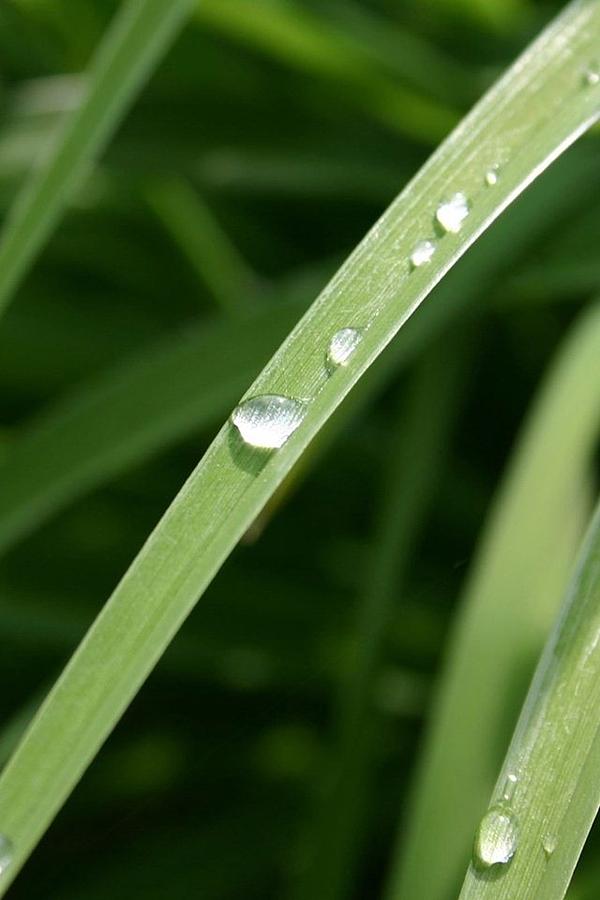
{"x": 510, "y": 600}
{"x": 555, "y": 752}
{"x": 522, "y": 124}
{"x": 139, "y": 35}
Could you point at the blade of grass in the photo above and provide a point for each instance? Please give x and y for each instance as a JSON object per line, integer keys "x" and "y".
{"x": 509, "y": 602}
{"x": 555, "y": 751}
{"x": 135, "y": 42}
{"x": 418, "y": 446}
{"x": 524, "y": 122}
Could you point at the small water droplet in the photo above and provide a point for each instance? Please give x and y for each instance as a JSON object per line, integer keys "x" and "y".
{"x": 497, "y": 837}
{"x": 592, "y": 75}
{"x": 509, "y": 787}
{"x": 342, "y": 346}
{"x": 267, "y": 421}
{"x": 6, "y": 853}
{"x": 422, "y": 253}
{"x": 452, "y": 213}
{"x": 491, "y": 176}
{"x": 549, "y": 845}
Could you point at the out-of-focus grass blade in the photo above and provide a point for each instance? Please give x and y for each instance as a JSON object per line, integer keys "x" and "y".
{"x": 418, "y": 447}
{"x": 509, "y": 602}
{"x": 139, "y": 35}
{"x": 532, "y": 114}
{"x": 555, "y": 753}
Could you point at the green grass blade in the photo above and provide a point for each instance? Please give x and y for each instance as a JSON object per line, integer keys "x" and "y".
{"x": 555, "y": 752}
{"x": 139, "y": 35}
{"x": 509, "y": 602}
{"x": 523, "y": 123}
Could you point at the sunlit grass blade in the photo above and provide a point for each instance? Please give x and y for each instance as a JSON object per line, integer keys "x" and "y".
{"x": 509, "y": 603}
{"x": 555, "y": 753}
{"x": 139, "y": 35}
{"x": 531, "y": 115}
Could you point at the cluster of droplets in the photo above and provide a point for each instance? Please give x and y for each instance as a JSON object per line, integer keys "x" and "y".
{"x": 6, "y": 853}
{"x": 449, "y": 217}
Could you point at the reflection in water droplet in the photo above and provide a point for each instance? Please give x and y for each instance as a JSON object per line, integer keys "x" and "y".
{"x": 592, "y": 75}
{"x": 491, "y": 176}
{"x": 452, "y": 213}
{"x": 342, "y": 346}
{"x": 267, "y": 421}
{"x": 549, "y": 845}
{"x": 422, "y": 253}
{"x": 497, "y": 837}
{"x": 6, "y": 853}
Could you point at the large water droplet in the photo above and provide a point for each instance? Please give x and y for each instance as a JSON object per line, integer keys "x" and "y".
{"x": 267, "y": 421}
{"x": 422, "y": 253}
{"x": 491, "y": 176}
{"x": 6, "y": 853}
{"x": 549, "y": 845}
{"x": 342, "y": 346}
{"x": 452, "y": 213}
{"x": 592, "y": 75}
{"x": 497, "y": 837}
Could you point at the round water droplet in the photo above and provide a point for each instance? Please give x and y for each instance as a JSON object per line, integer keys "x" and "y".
{"x": 491, "y": 176}
{"x": 592, "y": 75}
{"x": 452, "y": 213}
{"x": 267, "y": 421}
{"x": 422, "y": 253}
{"x": 497, "y": 837}
{"x": 342, "y": 346}
{"x": 6, "y": 853}
{"x": 549, "y": 845}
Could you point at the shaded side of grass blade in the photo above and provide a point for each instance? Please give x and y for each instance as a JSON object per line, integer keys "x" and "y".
{"x": 139, "y": 35}
{"x": 418, "y": 448}
{"x": 555, "y": 752}
{"x": 527, "y": 119}
{"x": 508, "y": 605}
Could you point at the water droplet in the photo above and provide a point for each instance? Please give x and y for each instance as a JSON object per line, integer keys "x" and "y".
{"x": 422, "y": 253}
{"x": 491, "y": 176}
{"x": 6, "y": 853}
{"x": 342, "y": 346}
{"x": 592, "y": 75}
{"x": 549, "y": 845}
{"x": 509, "y": 787}
{"x": 452, "y": 213}
{"x": 497, "y": 837}
{"x": 267, "y": 421}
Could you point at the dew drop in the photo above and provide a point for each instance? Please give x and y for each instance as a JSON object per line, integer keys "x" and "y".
{"x": 6, "y": 853}
{"x": 592, "y": 75}
{"x": 452, "y": 213}
{"x": 509, "y": 787}
{"x": 549, "y": 845}
{"x": 422, "y": 253}
{"x": 267, "y": 421}
{"x": 342, "y": 346}
{"x": 491, "y": 176}
{"x": 497, "y": 837}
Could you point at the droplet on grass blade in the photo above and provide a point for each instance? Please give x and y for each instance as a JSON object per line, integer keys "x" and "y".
{"x": 509, "y": 787}
{"x": 548, "y": 845}
{"x": 6, "y": 853}
{"x": 268, "y": 420}
{"x": 592, "y": 75}
{"x": 422, "y": 253}
{"x": 491, "y": 176}
{"x": 451, "y": 214}
{"x": 342, "y": 346}
{"x": 497, "y": 837}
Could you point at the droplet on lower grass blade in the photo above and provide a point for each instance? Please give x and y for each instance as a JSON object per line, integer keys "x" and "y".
{"x": 268, "y": 420}
{"x": 497, "y": 837}
{"x": 451, "y": 214}
{"x": 548, "y": 845}
{"x": 422, "y": 253}
{"x": 592, "y": 75}
{"x": 491, "y": 176}
{"x": 342, "y": 346}
{"x": 6, "y": 853}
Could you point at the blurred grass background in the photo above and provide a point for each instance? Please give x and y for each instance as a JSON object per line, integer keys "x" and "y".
{"x": 264, "y": 146}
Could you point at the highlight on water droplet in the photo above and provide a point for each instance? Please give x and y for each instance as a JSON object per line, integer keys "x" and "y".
{"x": 451, "y": 214}
{"x": 422, "y": 253}
{"x": 548, "y": 845}
{"x": 497, "y": 837}
{"x": 592, "y": 75}
{"x": 342, "y": 346}
{"x": 268, "y": 420}
{"x": 491, "y": 176}
{"x": 6, "y": 853}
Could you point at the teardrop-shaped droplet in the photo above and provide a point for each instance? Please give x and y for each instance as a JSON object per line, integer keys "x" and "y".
{"x": 422, "y": 253}
{"x": 549, "y": 845}
{"x": 267, "y": 421}
{"x": 6, "y": 853}
{"x": 491, "y": 176}
{"x": 452, "y": 213}
{"x": 497, "y": 837}
{"x": 342, "y": 346}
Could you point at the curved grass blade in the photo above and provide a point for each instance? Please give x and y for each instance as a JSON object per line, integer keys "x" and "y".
{"x": 511, "y": 597}
{"x": 555, "y": 752}
{"x": 135, "y": 42}
{"x": 523, "y": 123}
